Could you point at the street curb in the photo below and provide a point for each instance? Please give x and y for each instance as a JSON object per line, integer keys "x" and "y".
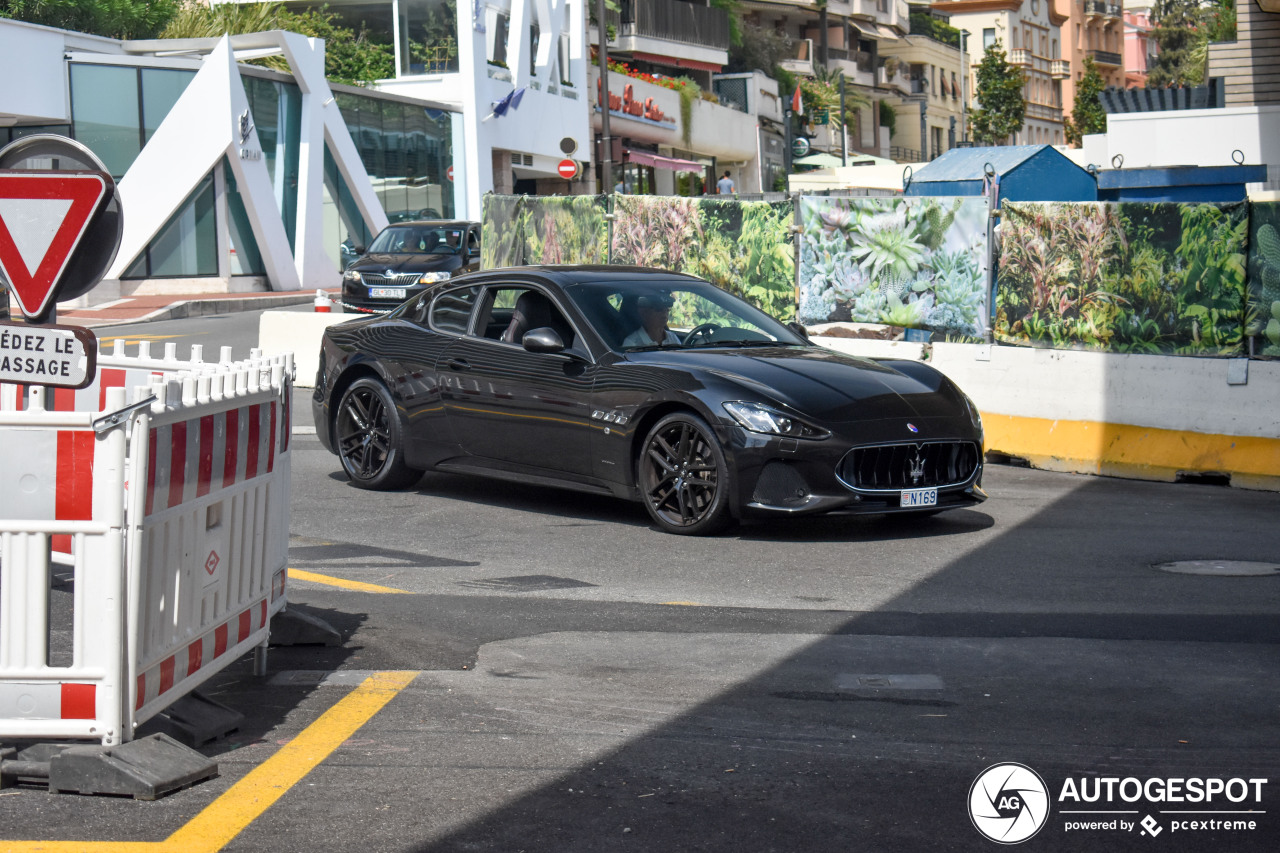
{"x": 203, "y": 308}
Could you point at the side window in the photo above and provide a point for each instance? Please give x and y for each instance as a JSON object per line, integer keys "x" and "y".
{"x": 473, "y": 240}
{"x": 451, "y": 310}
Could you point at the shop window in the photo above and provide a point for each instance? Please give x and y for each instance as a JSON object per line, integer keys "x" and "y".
{"x": 104, "y": 113}
{"x": 187, "y": 245}
{"x": 428, "y": 35}
{"x": 161, "y": 89}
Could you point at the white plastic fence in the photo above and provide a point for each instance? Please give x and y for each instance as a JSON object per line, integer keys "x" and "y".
{"x": 173, "y": 521}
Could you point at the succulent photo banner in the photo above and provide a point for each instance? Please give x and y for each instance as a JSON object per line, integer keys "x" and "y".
{"x": 501, "y": 231}
{"x": 1123, "y": 277}
{"x": 1263, "y": 312}
{"x": 741, "y": 246}
{"x": 918, "y": 263}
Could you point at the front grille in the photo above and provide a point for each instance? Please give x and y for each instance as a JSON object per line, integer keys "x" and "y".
{"x": 892, "y": 467}
{"x": 377, "y": 279}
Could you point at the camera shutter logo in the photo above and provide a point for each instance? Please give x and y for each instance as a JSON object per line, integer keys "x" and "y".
{"x": 1008, "y": 803}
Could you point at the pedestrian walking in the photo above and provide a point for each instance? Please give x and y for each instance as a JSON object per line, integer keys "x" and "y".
{"x": 725, "y": 184}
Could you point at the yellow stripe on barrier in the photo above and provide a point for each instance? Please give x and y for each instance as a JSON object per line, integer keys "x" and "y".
{"x": 245, "y": 801}
{"x": 343, "y": 583}
{"x": 1123, "y": 450}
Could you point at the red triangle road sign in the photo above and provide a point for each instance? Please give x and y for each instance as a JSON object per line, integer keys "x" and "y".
{"x": 43, "y": 218}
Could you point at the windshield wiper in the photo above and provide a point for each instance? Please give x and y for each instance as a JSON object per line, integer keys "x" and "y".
{"x": 755, "y": 343}
{"x": 652, "y": 347}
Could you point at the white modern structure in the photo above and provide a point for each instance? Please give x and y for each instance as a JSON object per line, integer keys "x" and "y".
{"x": 472, "y": 56}
{"x": 231, "y": 177}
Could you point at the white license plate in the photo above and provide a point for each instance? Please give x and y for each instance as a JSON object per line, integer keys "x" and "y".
{"x": 387, "y": 293}
{"x": 919, "y": 497}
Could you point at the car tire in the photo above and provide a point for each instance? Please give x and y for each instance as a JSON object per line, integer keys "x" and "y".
{"x": 370, "y": 439}
{"x": 683, "y": 476}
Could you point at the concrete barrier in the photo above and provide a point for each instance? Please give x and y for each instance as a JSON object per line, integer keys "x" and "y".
{"x": 1143, "y": 416}
{"x": 298, "y": 332}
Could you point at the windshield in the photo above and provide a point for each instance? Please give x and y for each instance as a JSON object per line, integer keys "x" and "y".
{"x": 679, "y": 313}
{"x": 417, "y": 240}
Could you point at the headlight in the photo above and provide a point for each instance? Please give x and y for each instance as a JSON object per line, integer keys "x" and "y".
{"x": 761, "y": 418}
{"x": 352, "y": 275}
{"x": 430, "y": 277}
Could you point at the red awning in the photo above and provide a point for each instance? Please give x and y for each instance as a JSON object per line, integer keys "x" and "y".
{"x": 677, "y": 62}
{"x": 646, "y": 158}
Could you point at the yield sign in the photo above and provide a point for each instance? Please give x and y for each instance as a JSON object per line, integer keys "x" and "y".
{"x": 43, "y": 216}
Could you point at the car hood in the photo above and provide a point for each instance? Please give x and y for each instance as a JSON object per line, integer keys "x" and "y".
{"x": 401, "y": 262}
{"x": 826, "y": 385}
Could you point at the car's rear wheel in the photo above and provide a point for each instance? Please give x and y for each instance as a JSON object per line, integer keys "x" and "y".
{"x": 369, "y": 438}
{"x": 683, "y": 476}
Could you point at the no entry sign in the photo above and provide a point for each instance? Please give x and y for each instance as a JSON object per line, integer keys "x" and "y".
{"x": 568, "y": 169}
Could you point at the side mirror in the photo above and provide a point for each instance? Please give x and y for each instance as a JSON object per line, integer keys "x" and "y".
{"x": 543, "y": 340}
{"x": 798, "y": 329}
{"x": 359, "y": 249}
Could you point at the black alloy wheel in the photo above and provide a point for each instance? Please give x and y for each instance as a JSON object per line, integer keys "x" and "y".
{"x": 683, "y": 476}
{"x": 368, "y": 435}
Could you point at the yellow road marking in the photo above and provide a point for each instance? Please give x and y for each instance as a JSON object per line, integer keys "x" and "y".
{"x": 327, "y": 580}
{"x": 683, "y": 603}
{"x": 245, "y": 801}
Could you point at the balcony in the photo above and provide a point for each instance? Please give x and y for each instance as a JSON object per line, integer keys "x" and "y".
{"x": 1107, "y": 58}
{"x": 1094, "y": 9}
{"x": 1020, "y": 56}
{"x": 802, "y": 63}
{"x": 1115, "y": 10}
{"x": 1060, "y": 69}
{"x": 673, "y": 21}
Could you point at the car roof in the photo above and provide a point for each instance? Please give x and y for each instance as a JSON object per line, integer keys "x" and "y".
{"x": 434, "y": 223}
{"x": 565, "y": 274}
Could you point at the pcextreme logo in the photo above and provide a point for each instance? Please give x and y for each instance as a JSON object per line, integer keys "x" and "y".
{"x": 1009, "y": 803}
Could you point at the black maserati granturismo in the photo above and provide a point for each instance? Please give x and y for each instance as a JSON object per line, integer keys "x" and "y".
{"x": 644, "y": 384}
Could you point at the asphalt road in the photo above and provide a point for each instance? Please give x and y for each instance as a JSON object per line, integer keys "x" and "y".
{"x": 579, "y": 681}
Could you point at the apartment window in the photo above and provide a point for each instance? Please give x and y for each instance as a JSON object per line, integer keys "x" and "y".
{"x": 988, "y": 37}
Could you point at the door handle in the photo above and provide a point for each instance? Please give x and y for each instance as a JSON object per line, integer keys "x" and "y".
{"x": 459, "y": 364}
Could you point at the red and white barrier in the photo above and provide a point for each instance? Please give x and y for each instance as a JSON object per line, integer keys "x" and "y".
{"x": 172, "y": 581}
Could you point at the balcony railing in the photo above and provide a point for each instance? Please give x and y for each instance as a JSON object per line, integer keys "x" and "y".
{"x": 1115, "y": 10}
{"x": 1094, "y": 8}
{"x": 672, "y": 20}
{"x": 1106, "y": 57}
{"x": 1060, "y": 69}
{"x": 1020, "y": 56}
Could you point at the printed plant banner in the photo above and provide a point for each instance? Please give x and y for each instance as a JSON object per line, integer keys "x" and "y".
{"x": 1263, "y": 322}
{"x": 742, "y": 247}
{"x": 565, "y": 230}
{"x": 919, "y": 263}
{"x": 1133, "y": 278}
{"x": 502, "y": 231}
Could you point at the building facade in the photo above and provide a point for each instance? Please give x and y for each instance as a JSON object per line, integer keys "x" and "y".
{"x": 230, "y": 177}
{"x": 1030, "y": 33}
{"x": 1139, "y": 47}
{"x": 1093, "y": 28}
{"x": 929, "y": 87}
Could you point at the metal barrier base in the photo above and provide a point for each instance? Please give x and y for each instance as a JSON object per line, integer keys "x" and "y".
{"x": 145, "y": 769}
{"x": 195, "y": 720}
{"x": 295, "y": 628}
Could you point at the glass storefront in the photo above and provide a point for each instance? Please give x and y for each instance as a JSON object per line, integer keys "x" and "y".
{"x": 406, "y": 149}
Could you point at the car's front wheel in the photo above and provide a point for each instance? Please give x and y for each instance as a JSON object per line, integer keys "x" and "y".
{"x": 683, "y": 476}
{"x": 369, "y": 438}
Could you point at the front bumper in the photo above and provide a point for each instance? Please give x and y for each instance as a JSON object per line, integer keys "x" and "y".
{"x": 776, "y": 476}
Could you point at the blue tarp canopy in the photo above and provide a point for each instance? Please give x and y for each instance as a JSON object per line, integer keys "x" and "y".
{"x": 1027, "y": 173}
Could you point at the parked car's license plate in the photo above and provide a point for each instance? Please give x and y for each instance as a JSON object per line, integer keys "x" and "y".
{"x": 387, "y": 293}
{"x": 919, "y": 497}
